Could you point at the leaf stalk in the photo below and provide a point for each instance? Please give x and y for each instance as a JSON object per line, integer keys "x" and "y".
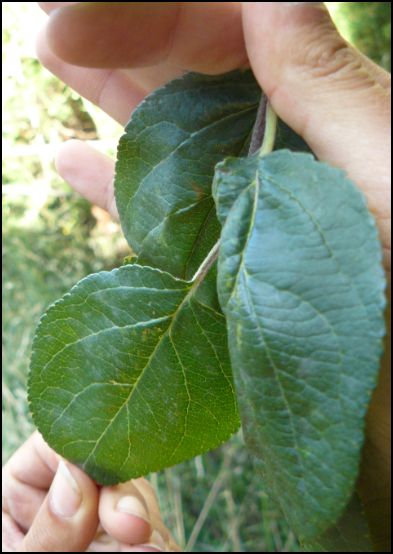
{"x": 265, "y": 126}
{"x": 206, "y": 264}
{"x": 270, "y": 131}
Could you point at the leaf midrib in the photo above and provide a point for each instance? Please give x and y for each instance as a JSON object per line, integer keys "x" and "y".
{"x": 241, "y": 268}
{"x": 194, "y": 286}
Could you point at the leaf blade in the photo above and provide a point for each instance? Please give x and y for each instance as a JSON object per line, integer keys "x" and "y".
{"x": 120, "y": 392}
{"x": 166, "y": 159}
{"x": 166, "y": 164}
{"x": 292, "y": 273}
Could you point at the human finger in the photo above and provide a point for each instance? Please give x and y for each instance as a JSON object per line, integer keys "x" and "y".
{"x": 114, "y": 91}
{"x": 89, "y": 172}
{"x": 26, "y": 477}
{"x": 50, "y": 6}
{"x": 130, "y": 513}
{"x": 124, "y": 514}
{"x": 67, "y": 520}
{"x": 199, "y": 36}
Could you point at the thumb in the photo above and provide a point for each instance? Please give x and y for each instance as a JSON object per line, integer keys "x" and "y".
{"x": 327, "y": 91}
{"x": 67, "y": 520}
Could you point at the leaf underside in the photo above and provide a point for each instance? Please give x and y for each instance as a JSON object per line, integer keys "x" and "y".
{"x": 302, "y": 287}
{"x": 130, "y": 374}
{"x": 349, "y": 534}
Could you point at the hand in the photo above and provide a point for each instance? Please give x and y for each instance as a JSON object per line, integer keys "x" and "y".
{"x": 54, "y": 507}
{"x": 330, "y": 94}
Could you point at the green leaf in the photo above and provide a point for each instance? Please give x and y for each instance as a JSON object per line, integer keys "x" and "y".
{"x": 349, "y": 534}
{"x": 130, "y": 373}
{"x": 166, "y": 161}
{"x": 302, "y": 287}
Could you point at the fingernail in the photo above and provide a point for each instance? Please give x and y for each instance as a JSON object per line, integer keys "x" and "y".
{"x": 132, "y": 506}
{"x": 65, "y": 496}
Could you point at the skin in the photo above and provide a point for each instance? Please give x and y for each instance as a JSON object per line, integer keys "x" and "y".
{"x": 31, "y": 522}
{"x": 330, "y": 94}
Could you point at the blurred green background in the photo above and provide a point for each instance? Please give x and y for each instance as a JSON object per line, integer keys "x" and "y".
{"x": 52, "y": 238}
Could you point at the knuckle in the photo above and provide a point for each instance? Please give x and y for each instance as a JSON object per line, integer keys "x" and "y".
{"x": 332, "y": 59}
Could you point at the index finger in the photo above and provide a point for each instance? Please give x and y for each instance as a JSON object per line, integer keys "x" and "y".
{"x": 197, "y": 36}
